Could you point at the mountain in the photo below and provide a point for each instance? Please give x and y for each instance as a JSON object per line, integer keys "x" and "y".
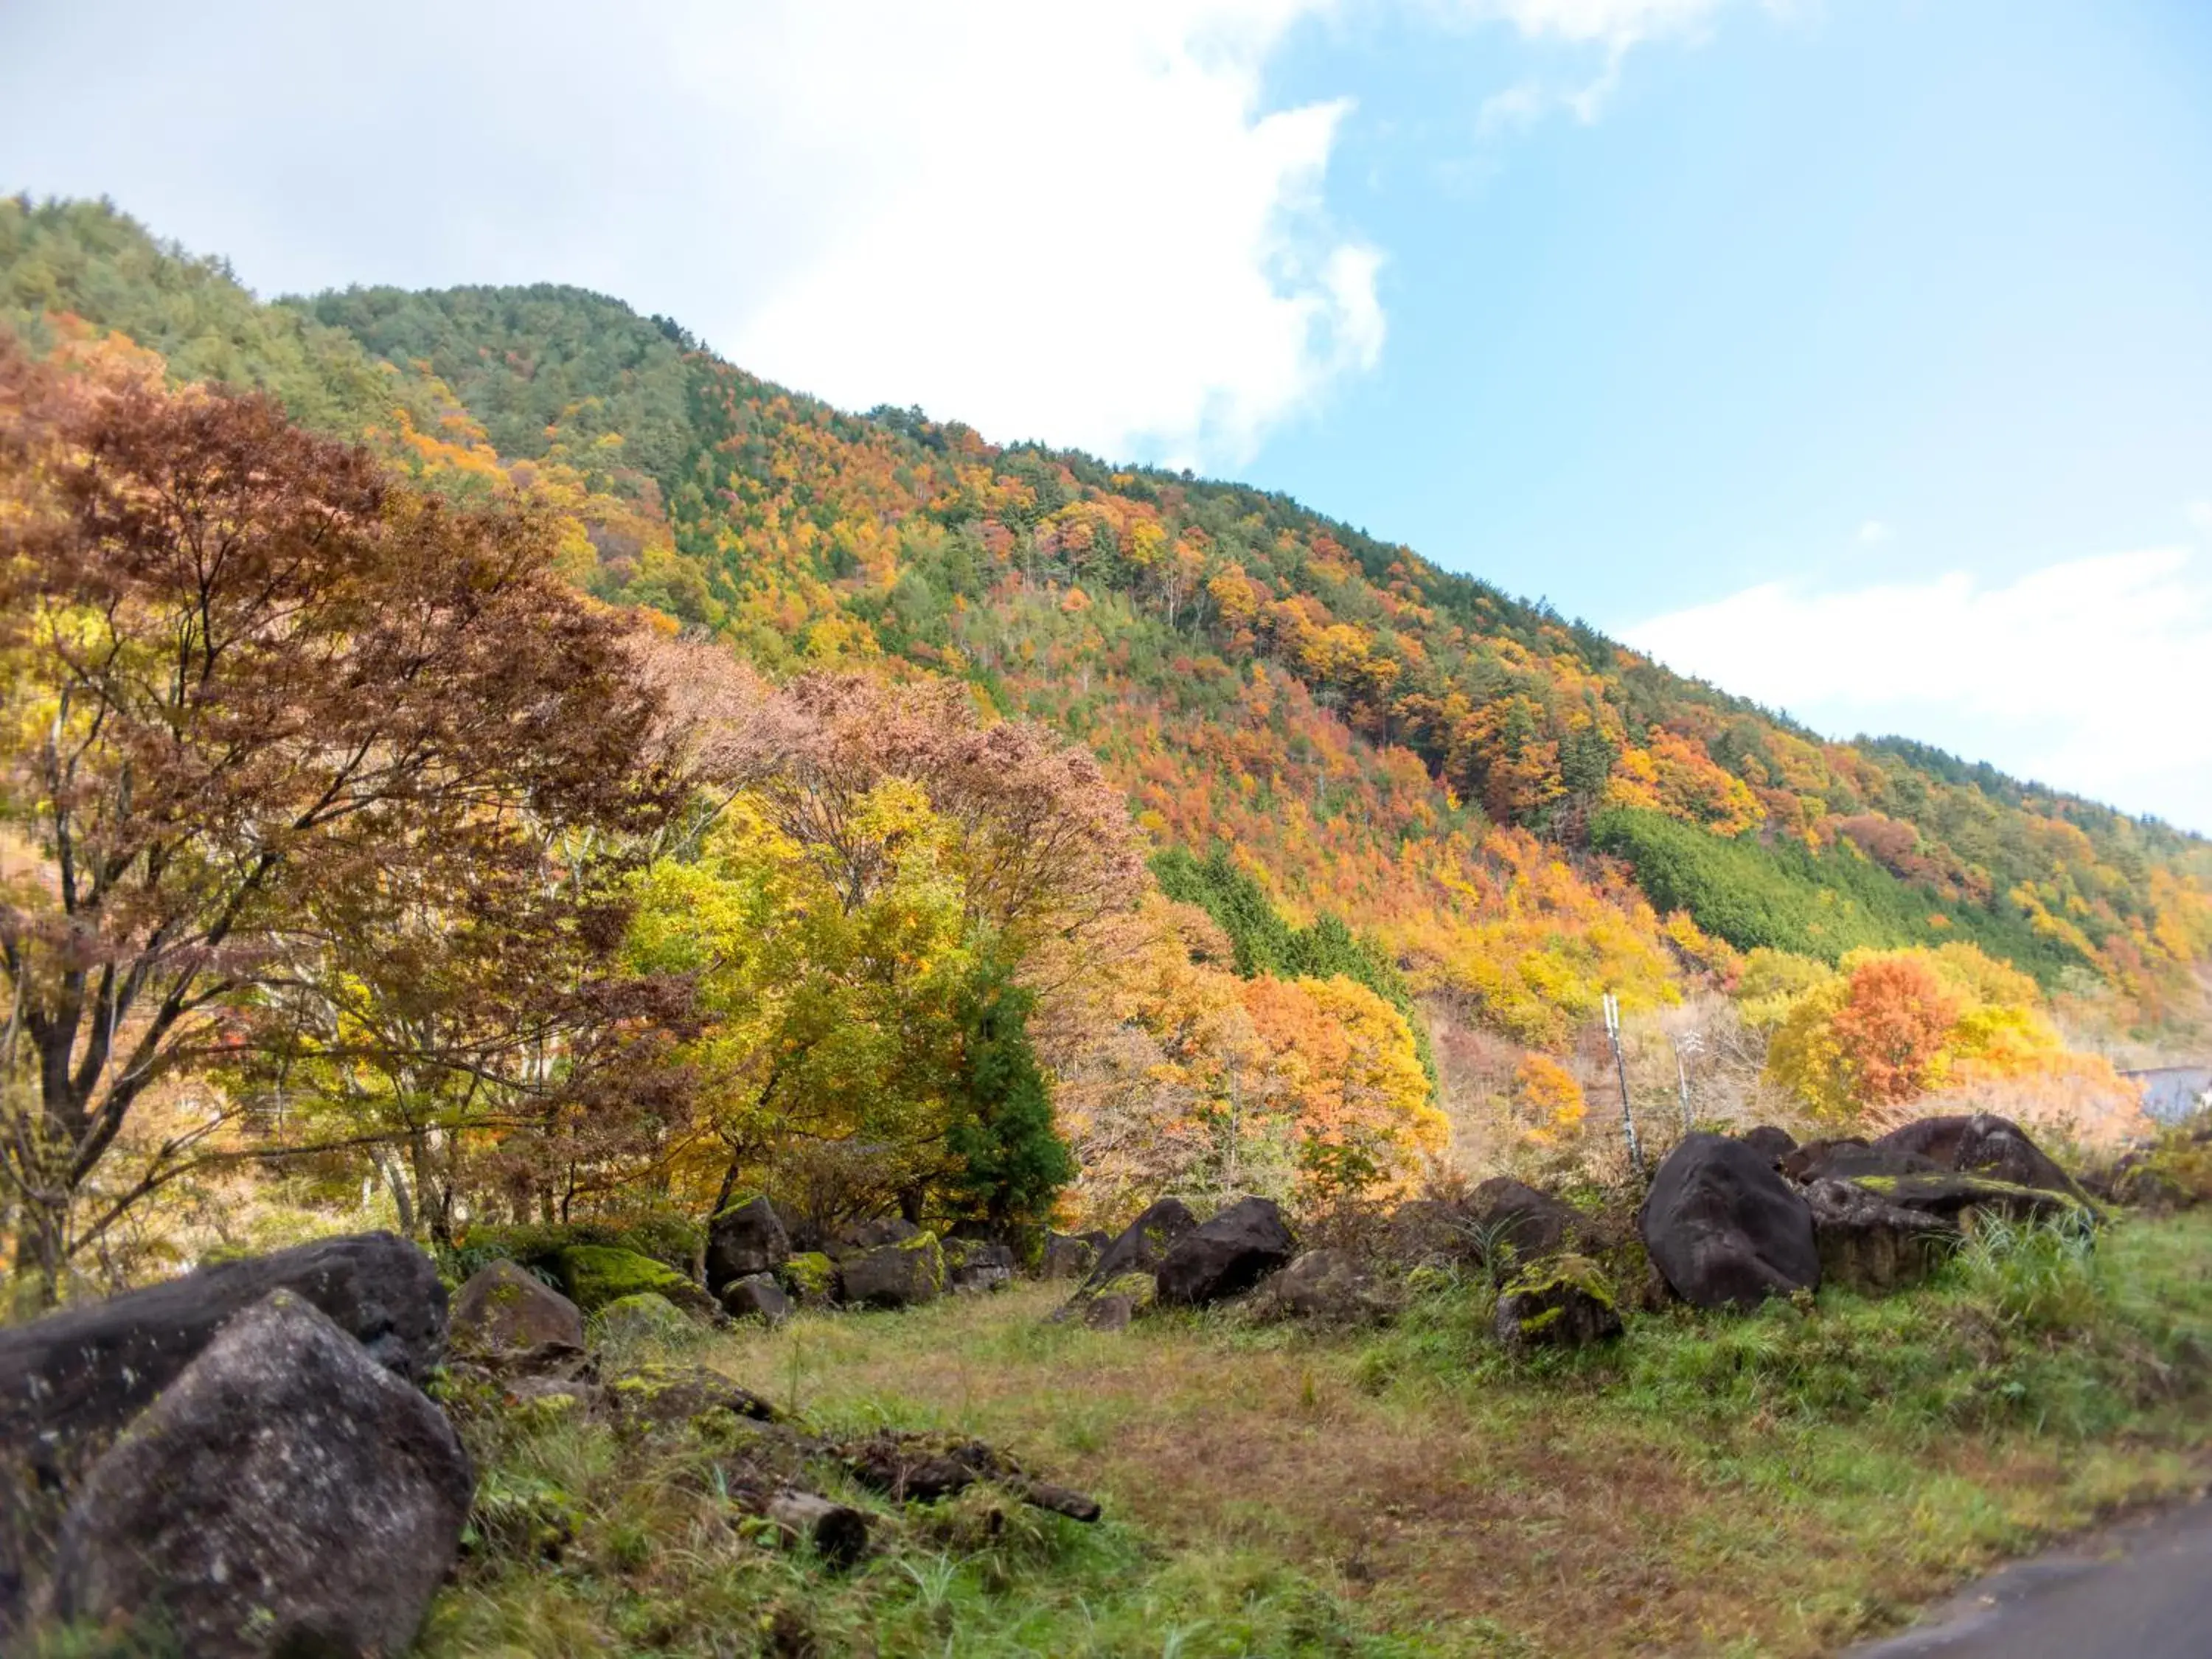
{"x": 1518, "y": 811}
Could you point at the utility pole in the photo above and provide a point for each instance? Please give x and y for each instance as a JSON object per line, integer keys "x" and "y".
{"x": 1620, "y": 1069}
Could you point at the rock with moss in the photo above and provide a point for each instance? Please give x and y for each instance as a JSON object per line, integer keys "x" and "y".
{"x": 902, "y": 1275}
{"x": 1957, "y": 1199}
{"x": 595, "y": 1275}
{"x": 1142, "y": 1245}
{"x": 646, "y": 1318}
{"x": 977, "y": 1265}
{"x": 1564, "y": 1302}
{"x": 809, "y": 1278}
{"x": 508, "y": 1319}
{"x": 668, "y": 1396}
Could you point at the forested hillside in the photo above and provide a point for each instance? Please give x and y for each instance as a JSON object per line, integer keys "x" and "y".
{"x": 1483, "y": 814}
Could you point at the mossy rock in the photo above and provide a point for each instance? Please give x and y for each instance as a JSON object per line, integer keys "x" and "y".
{"x": 677, "y": 1396}
{"x": 1956, "y": 1196}
{"x": 594, "y": 1275}
{"x": 1564, "y": 1301}
{"x": 647, "y": 1316}
{"x": 810, "y": 1278}
{"x": 671, "y": 1240}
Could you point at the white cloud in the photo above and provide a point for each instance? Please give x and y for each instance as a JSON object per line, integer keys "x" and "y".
{"x": 2089, "y": 675}
{"x": 2200, "y": 516}
{"x": 1077, "y": 222}
{"x": 1081, "y": 221}
{"x": 1873, "y": 531}
{"x": 1614, "y": 26}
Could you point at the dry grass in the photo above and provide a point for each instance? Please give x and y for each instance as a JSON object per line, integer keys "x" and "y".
{"x": 1576, "y": 1513}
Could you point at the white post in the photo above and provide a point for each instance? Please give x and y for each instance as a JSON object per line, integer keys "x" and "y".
{"x": 1621, "y": 1070}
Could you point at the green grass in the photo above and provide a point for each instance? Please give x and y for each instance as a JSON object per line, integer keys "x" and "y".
{"x": 1782, "y": 1483}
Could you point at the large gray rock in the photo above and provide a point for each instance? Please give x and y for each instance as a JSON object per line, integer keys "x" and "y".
{"x": 1326, "y": 1287}
{"x": 743, "y": 1240}
{"x": 285, "y": 1495}
{"x": 507, "y": 1319}
{"x": 1949, "y": 1197}
{"x": 859, "y": 1238}
{"x": 756, "y": 1296}
{"x": 1724, "y": 1229}
{"x": 977, "y": 1265}
{"x": 1227, "y": 1255}
{"x": 1869, "y": 1244}
{"x": 69, "y": 1382}
{"x": 901, "y": 1275}
{"x": 1071, "y": 1255}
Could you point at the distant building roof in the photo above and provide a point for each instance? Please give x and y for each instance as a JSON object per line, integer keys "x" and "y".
{"x": 2174, "y": 1092}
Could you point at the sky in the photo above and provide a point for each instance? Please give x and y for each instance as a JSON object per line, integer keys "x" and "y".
{"x": 1854, "y": 355}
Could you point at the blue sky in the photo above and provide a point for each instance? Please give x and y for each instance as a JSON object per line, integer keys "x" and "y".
{"x": 1857, "y": 356}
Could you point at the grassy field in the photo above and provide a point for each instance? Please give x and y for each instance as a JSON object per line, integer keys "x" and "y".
{"x": 1779, "y": 1484}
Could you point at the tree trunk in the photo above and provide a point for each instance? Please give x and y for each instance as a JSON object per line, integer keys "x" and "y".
{"x": 42, "y": 1243}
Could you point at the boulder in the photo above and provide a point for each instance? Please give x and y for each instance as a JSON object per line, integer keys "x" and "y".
{"x": 1869, "y": 1244}
{"x": 1951, "y": 1197}
{"x": 1770, "y": 1143}
{"x": 1142, "y": 1245}
{"x": 756, "y": 1296}
{"x": 595, "y": 1275}
{"x": 285, "y": 1495}
{"x": 1984, "y": 1145}
{"x": 69, "y": 1382}
{"x": 809, "y": 1278}
{"x": 1071, "y": 1255}
{"x": 1724, "y": 1229}
{"x": 507, "y": 1319}
{"x": 859, "y": 1238}
{"x": 1510, "y": 1216}
{"x": 1427, "y": 1231}
{"x": 1227, "y": 1255}
{"x": 647, "y": 1316}
{"x": 901, "y": 1275}
{"x": 745, "y": 1239}
{"x": 1108, "y": 1311}
{"x": 972, "y": 1267}
{"x": 1326, "y": 1287}
{"x": 1848, "y": 1158}
{"x": 1564, "y": 1302}
{"x": 678, "y": 1396}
